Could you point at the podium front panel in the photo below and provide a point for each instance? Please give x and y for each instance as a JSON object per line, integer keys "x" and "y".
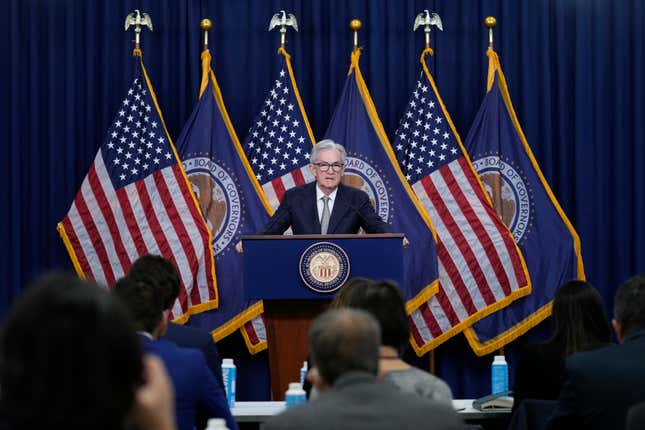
{"x": 272, "y": 263}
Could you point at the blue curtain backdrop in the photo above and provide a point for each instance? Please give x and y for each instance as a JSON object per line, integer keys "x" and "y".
{"x": 575, "y": 70}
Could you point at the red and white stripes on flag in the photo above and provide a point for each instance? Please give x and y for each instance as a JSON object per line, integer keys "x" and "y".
{"x": 136, "y": 200}
{"x": 109, "y": 229}
{"x": 255, "y": 333}
{"x": 481, "y": 268}
{"x": 274, "y": 190}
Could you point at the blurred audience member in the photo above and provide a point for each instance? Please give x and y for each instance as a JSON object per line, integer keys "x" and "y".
{"x": 601, "y": 385}
{"x": 70, "y": 359}
{"x": 166, "y": 277}
{"x": 636, "y": 417}
{"x": 343, "y": 295}
{"x": 344, "y": 346}
{"x": 339, "y": 301}
{"x": 382, "y": 300}
{"x": 196, "y": 390}
{"x": 579, "y": 324}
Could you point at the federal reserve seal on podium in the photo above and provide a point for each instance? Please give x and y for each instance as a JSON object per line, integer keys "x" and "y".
{"x": 324, "y": 267}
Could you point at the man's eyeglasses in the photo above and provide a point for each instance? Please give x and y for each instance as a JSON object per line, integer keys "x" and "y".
{"x": 324, "y": 167}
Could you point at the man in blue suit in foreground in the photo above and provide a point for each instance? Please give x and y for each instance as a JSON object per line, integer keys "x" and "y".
{"x": 326, "y": 206}
{"x": 601, "y": 385}
{"x": 165, "y": 276}
{"x": 196, "y": 390}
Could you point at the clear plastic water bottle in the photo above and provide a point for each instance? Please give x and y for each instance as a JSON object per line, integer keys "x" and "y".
{"x": 499, "y": 375}
{"x": 216, "y": 424}
{"x": 294, "y": 395}
{"x": 303, "y": 373}
{"x": 229, "y": 375}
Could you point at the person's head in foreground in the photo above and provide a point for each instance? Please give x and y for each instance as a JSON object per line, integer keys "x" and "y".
{"x": 629, "y": 307}
{"x": 579, "y": 320}
{"x": 160, "y": 272}
{"x": 343, "y": 295}
{"x": 69, "y": 358}
{"x": 342, "y": 341}
{"x": 344, "y": 347}
{"x": 383, "y": 301}
{"x": 144, "y": 300}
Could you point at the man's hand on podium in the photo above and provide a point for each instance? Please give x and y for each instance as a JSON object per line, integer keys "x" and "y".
{"x": 406, "y": 242}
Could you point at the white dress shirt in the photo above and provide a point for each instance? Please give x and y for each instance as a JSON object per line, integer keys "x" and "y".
{"x": 320, "y": 204}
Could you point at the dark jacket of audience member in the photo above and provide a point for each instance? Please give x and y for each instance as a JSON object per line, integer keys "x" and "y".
{"x": 166, "y": 276}
{"x": 344, "y": 345}
{"x": 601, "y": 385}
{"x": 69, "y": 359}
{"x": 579, "y": 324}
{"x": 196, "y": 390}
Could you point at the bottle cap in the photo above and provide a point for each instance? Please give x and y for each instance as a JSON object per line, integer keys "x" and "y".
{"x": 499, "y": 359}
{"x": 216, "y": 423}
{"x": 227, "y": 361}
{"x": 295, "y": 386}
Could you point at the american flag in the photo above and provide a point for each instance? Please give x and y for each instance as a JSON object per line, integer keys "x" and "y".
{"x": 136, "y": 200}
{"x": 280, "y": 139}
{"x": 480, "y": 267}
{"x": 278, "y": 147}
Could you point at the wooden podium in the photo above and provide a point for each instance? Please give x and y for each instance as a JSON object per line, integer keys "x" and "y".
{"x": 275, "y": 271}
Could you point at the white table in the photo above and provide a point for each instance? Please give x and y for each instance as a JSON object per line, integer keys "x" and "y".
{"x": 256, "y": 411}
{"x": 261, "y": 411}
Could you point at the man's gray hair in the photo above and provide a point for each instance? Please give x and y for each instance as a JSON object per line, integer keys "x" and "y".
{"x": 344, "y": 340}
{"x": 325, "y": 145}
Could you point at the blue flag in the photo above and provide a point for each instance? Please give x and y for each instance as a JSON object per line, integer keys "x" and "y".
{"x": 551, "y": 248}
{"x": 372, "y": 167}
{"x": 229, "y": 196}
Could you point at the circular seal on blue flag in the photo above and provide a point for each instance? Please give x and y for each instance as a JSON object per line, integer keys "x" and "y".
{"x": 324, "y": 267}
{"x": 510, "y": 192}
{"x": 219, "y": 199}
{"x": 365, "y": 175}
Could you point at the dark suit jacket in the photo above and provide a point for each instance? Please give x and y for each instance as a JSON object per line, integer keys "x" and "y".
{"x": 540, "y": 372}
{"x": 298, "y": 210}
{"x": 194, "y": 383}
{"x": 358, "y": 401}
{"x": 601, "y": 385}
{"x": 193, "y": 337}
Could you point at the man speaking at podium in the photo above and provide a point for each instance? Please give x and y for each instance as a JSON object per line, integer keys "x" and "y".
{"x": 325, "y": 206}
